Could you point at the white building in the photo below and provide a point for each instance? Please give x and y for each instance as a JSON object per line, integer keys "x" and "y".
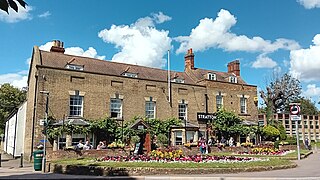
{"x": 15, "y": 131}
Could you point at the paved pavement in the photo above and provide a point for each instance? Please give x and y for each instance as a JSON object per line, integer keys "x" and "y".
{"x": 308, "y": 169}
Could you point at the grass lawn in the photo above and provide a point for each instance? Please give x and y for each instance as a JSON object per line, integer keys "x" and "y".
{"x": 91, "y": 162}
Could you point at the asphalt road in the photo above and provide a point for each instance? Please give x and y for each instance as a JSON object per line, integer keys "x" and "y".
{"x": 308, "y": 168}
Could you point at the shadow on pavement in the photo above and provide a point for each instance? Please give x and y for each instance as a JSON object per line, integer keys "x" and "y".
{"x": 62, "y": 176}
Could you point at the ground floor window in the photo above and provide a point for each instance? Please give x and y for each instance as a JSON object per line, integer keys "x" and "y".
{"x": 191, "y": 136}
{"x": 75, "y": 139}
{"x": 178, "y": 137}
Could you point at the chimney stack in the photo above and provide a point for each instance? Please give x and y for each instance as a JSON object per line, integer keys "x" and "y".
{"x": 234, "y": 67}
{"x": 189, "y": 60}
{"x": 57, "y": 46}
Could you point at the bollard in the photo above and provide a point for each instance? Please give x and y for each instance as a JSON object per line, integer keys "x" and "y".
{"x": 21, "y": 160}
{"x": 0, "y": 159}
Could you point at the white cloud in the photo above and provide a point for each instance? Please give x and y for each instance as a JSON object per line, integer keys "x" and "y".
{"x": 16, "y": 79}
{"x": 44, "y": 15}
{"x": 309, "y": 4}
{"x": 216, "y": 33}
{"x": 77, "y": 51}
{"x": 13, "y": 17}
{"x": 264, "y": 62}
{"x": 140, "y": 43}
{"x": 312, "y": 91}
{"x": 305, "y": 63}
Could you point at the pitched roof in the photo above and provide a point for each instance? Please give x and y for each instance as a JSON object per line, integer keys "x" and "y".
{"x": 221, "y": 76}
{"x": 59, "y": 60}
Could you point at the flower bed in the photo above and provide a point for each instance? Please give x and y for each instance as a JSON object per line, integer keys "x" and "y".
{"x": 177, "y": 156}
{"x": 267, "y": 151}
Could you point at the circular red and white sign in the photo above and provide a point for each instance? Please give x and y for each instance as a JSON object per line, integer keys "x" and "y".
{"x": 295, "y": 110}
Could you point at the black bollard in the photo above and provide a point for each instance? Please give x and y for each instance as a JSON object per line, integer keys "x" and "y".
{"x": 21, "y": 160}
{"x": 0, "y": 159}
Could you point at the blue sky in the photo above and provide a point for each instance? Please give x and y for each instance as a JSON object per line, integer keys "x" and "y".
{"x": 268, "y": 37}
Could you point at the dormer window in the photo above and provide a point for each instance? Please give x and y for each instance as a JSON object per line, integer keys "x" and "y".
{"x": 133, "y": 75}
{"x": 178, "y": 80}
{"x": 74, "y": 67}
{"x": 212, "y": 76}
{"x": 233, "y": 79}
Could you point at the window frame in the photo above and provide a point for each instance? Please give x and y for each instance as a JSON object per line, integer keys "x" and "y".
{"x": 185, "y": 112}
{"x": 149, "y": 110}
{"x": 243, "y": 104}
{"x": 77, "y": 105}
{"x": 219, "y": 106}
{"x": 212, "y": 76}
{"x": 116, "y": 109}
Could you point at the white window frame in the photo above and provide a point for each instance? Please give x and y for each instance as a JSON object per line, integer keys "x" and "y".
{"x": 76, "y": 105}
{"x": 219, "y": 105}
{"x": 182, "y": 111}
{"x": 176, "y": 136}
{"x": 116, "y": 106}
{"x": 74, "y": 67}
{"x": 149, "y": 110}
{"x": 178, "y": 80}
{"x": 212, "y": 76}
{"x": 243, "y": 105}
{"x": 233, "y": 79}
{"x": 133, "y": 75}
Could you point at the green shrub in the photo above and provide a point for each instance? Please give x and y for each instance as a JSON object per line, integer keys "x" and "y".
{"x": 162, "y": 139}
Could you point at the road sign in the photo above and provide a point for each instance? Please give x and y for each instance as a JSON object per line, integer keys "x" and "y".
{"x": 295, "y": 109}
{"x": 295, "y": 112}
{"x": 42, "y": 140}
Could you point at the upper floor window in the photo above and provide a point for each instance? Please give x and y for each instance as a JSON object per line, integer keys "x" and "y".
{"x": 233, "y": 79}
{"x": 219, "y": 101}
{"x": 74, "y": 67}
{"x": 134, "y": 75}
{"x": 76, "y": 106}
{"x": 212, "y": 76}
{"x": 116, "y": 108}
{"x": 243, "y": 105}
{"x": 182, "y": 111}
{"x": 151, "y": 109}
{"x": 178, "y": 80}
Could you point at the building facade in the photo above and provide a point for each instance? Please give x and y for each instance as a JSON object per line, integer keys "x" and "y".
{"x": 308, "y": 126}
{"x": 86, "y": 88}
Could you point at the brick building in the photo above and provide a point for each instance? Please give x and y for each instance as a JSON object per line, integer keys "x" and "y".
{"x": 81, "y": 87}
{"x": 308, "y": 126}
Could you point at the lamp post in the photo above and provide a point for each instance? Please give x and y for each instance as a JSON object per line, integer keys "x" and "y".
{"x": 45, "y": 130}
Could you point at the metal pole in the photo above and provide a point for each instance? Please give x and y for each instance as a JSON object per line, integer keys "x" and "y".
{"x": 0, "y": 160}
{"x": 21, "y": 160}
{"x": 45, "y": 133}
{"x": 298, "y": 145}
{"x": 122, "y": 129}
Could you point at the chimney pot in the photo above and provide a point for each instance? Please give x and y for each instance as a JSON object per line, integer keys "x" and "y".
{"x": 57, "y": 46}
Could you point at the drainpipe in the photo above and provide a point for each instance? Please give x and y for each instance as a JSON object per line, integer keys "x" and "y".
{"x": 206, "y": 104}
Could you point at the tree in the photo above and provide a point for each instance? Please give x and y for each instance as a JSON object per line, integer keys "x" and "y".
{"x": 10, "y": 98}
{"x": 6, "y": 4}
{"x": 307, "y": 106}
{"x": 280, "y": 93}
{"x": 227, "y": 123}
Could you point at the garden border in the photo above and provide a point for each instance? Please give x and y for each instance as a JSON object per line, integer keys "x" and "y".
{"x": 128, "y": 171}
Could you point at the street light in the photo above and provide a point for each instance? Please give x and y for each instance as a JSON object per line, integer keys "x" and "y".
{"x": 45, "y": 130}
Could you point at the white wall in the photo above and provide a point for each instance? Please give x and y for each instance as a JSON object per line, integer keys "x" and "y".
{"x": 14, "y": 132}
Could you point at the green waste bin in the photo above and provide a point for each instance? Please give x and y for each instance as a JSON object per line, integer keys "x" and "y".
{"x": 37, "y": 160}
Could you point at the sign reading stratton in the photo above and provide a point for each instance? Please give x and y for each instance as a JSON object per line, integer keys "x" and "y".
{"x": 205, "y": 117}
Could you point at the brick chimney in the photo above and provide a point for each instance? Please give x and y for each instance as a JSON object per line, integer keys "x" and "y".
{"x": 57, "y": 46}
{"x": 234, "y": 67}
{"x": 189, "y": 60}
